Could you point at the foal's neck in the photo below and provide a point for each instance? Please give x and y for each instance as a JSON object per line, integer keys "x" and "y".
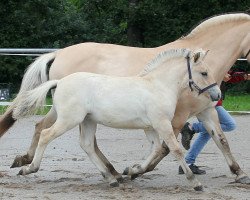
{"x": 170, "y": 75}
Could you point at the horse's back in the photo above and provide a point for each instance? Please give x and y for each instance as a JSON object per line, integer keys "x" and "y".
{"x": 100, "y": 58}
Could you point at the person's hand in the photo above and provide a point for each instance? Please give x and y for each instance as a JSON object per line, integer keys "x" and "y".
{"x": 247, "y": 77}
{"x": 227, "y": 77}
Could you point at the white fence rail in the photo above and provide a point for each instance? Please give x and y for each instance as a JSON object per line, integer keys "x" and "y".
{"x": 24, "y": 51}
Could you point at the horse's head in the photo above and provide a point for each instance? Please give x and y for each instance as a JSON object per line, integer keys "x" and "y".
{"x": 200, "y": 78}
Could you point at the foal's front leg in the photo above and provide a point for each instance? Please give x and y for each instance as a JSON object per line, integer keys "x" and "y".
{"x": 157, "y": 150}
{"x": 109, "y": 166}
{"x": 210, "y": 120}
{"x": 165, "y": 130}
{"x": 87, "y": 142}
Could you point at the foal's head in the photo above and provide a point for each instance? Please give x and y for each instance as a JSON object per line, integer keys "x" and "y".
{"x": 201, "y": 80}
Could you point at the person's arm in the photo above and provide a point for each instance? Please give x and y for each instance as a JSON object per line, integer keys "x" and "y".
{"x": 237, "y": 77}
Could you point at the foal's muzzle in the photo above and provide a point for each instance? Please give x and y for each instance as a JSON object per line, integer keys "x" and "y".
{"x": 215, "y": 93}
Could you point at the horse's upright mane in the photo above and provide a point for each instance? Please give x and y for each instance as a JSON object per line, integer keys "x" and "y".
{"x": 217, "y": 20}
{"x": 162, "y": 57}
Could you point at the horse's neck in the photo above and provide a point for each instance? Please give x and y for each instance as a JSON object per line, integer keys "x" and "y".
{"x": 224, "y": 43}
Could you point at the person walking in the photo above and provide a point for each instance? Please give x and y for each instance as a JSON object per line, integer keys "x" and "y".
{"x": 226, "y": 121}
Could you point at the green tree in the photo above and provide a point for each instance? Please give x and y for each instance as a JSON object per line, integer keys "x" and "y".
{"x": 57, "y": 24}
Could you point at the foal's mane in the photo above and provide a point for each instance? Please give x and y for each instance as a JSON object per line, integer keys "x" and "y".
{"x": 162, "y": 57}
{"x": 215, "y": 21}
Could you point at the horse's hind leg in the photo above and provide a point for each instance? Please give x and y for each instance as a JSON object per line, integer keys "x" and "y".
{"x": 157, "y": 150}
{"x": 46, "y": 122}
{"x": 87, "y": 142}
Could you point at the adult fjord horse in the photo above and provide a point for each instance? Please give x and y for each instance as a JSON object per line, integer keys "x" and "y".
{"x": 146, "y": 102}
{"x": 226, "y": 36}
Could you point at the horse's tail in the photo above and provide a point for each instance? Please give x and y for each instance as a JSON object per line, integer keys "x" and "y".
{"x": 28, "y": 102}
{"x": 35, "y": 75}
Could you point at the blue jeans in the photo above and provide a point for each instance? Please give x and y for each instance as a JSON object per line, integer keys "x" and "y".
{"x": 227, "y": 124}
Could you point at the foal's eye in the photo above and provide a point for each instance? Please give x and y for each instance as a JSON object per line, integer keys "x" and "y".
{"x": 204, "y": 73}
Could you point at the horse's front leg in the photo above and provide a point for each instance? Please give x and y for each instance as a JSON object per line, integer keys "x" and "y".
{"x": 158, "y": 152}
{"x": 46, "y": 122}
{"x": 165, "y": 130}
{"x": 210, "y": 120}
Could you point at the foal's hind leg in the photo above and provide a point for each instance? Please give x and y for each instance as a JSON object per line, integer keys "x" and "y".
{"x": 47, "y": 135}
{"x": 112, "y": 170}
{"x": 156, "y": 150}
{"x": 87, "y": 142}
{"x": 46, "y": 122}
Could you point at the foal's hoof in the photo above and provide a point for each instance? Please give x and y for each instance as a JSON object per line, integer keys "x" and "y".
{"x": 20, "y": 161}
{"x": 28, "y": 170}
{"x": 243, "y": 180}
{"x": 126, "y": 171}
{"x": 114, "y": 184}
{"x": 129, "y": 171}
{"x": 134, "y": 176}
{"x": 120, "y": 179}
{"x": 198, "y": 188}
{"x": 21, "y": 172}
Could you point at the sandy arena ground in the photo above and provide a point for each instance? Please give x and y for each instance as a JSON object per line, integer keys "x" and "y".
{"x": 67, "y": 173}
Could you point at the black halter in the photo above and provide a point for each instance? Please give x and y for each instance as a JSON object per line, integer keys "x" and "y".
{"x": 247, "y": 53}
{"x": 192, "y": 83}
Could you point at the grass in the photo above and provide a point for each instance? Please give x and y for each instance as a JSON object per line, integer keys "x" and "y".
{"x": 39, "y": 112}
{"x": 231, "y": 102}
{"x": 237, "y": 102}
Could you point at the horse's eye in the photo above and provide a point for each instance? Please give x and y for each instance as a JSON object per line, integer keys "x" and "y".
{"x": 204, "y": 73}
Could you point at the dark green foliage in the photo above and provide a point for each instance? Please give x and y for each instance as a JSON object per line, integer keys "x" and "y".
{"x": 60, "y": 23}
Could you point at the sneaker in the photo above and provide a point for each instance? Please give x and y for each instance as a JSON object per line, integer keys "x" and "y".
{"x": 195, "y": 169}
{"x": 186, "y": 136}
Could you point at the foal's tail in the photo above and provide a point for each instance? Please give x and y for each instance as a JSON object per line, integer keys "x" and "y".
{"x": 35, "y": 75}
{"x": 28, "y": 102}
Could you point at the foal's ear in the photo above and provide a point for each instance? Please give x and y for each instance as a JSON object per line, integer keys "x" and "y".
{"x": 199, "y": 55}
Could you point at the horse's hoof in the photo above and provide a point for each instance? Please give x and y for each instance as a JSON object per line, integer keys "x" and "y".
{"x": 243, "y": 180}
{"x": 198, "y": 188}
{"x": 120, "y": 179}
{"x": 126, "y": 171}
{"x": 20, "y": 161}
{"x": 134, "y": 176}
{"x": 114, "y": 184}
